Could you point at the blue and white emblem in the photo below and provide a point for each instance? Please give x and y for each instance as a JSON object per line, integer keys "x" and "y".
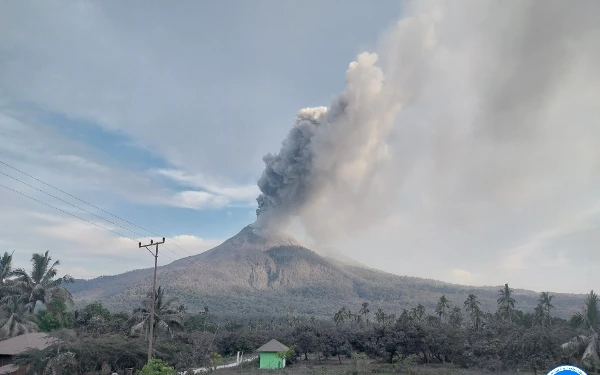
{"x": 567, "y": 370}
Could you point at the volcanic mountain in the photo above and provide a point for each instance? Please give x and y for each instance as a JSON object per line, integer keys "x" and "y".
{"x": 263, "y": 273}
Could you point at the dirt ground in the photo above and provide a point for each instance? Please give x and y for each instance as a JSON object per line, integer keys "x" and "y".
{"x": 349, "y": 367}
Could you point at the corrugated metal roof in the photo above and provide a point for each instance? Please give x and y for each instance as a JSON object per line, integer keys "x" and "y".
{"x": 20, "y": 344}
{"x": 272, "y": 346}
{"x": 8, "y": 369}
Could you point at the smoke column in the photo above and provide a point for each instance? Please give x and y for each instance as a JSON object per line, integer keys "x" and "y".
{"x": 456, "y": 80}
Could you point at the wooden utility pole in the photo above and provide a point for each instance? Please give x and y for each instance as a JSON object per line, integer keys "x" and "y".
{"x": 155, "y": 255}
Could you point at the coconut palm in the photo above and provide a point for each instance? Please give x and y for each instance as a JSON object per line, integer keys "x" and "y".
{"x": 380, "y": 316}
{"x": 418, "y": 313}
{"x": 6, "y": 270}
{"x": 588, "y": 319}
{"x": 341, "y": 315}
{"x": 15, "y": 319}
{"x": 441, "y": 307}
{"x": 167, "y": 316}
{"x": 506, "y": 303}
{"x": 472, "y": 306}
{"x": 539, "y": 314}
{"x": 546, "y": 302}
{"x": 455, "y": 317}
{"x": 41, "y": 285}
{"x": 364, "y": 311}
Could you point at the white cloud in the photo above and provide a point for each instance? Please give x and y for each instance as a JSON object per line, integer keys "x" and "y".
{"x": 84, "y": 249}
{"x": 245, "y": 193}
{"x": 198, "y": 200}
{"x": 464, "y": 277}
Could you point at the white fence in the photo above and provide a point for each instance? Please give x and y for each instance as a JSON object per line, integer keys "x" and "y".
{"x": 238, "y": 362}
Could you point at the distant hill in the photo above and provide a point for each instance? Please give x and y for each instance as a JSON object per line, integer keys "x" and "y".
{"x": 268, "y": 274}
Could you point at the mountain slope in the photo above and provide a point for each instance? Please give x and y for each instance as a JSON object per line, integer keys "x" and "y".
{"x": 256, "y": 272}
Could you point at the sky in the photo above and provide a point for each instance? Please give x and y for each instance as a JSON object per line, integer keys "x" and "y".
{"x": 160, "y": 115}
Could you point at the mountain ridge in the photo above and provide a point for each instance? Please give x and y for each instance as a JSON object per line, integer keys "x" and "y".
{"x": 261, "y": 272}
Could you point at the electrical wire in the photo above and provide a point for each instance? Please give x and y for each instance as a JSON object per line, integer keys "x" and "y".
{"x": 82, "y": 209}
{"x": 75, "y": 216}
{"x": 92, "y": 205}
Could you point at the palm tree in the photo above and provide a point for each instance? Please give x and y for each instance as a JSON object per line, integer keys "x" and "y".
{"x": 341, "y": 315}
{"x": 418, "y": 313}
{"x": 15, "y": 319}
{"x": 455, "y": 317}
{"x": 506, "y": 304}
{"x": 41, "y": 285}
{"x": 205, "y": 312}
{"x": 588, "y": 319}
{"x": 546, "y": 302}
{"x": 166, "y": 316}
{"x": 472, "y": 305}
{"x": 364, "y": 311}
{"x": 6, "y": 270}
{"x": 442, "y": 305}
{"x": 539, "y": 314}
{"x": 380, "y": 316}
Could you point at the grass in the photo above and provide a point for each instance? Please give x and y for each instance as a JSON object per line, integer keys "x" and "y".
{"x": 358, "y": 367}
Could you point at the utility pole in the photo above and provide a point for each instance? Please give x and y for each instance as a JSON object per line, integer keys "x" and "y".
{"x": 155, "y": 255}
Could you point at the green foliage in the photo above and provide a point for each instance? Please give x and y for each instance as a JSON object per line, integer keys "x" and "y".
{"x": 167, "y": 317}
{"x": 157, "y": 367}
{"x": 289, "y": 355}
{"x": 215, "y": 359}
{"x": 94, "y": 309}
{"x": 47, "y": 321}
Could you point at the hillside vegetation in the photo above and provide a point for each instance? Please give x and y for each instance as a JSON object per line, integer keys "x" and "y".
{"x": 258, "y": 275}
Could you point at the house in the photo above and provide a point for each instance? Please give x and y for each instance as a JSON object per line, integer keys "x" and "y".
{"x": 20, "y": 344}
{"x": 268, "y": 355}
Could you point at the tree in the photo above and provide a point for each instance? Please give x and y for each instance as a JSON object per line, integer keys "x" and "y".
{"x": 506, "y": 303}
{"x": 166, "y": 317}
{"x": 205, "y": 311}
{"x": 41, "y": 285}
{"x": 341, "y": 315}
{"x": 94, "y": 309}
{"x": 380, "y": 316}
{"x": 589, "y": 320}
{"x": 418, "y": 313}
{"x": 306, "y": 340}
{"x": 539, "y": 314}
{"x": 6, "y": 270}
{"x": 545, "y": 302}
{"x": 364, "y": 311}
{"x": 15, "y": 319}
{"x": 441, "y": 307}
{"x": 472, "y": 306}
{"x": 456, "y": 317}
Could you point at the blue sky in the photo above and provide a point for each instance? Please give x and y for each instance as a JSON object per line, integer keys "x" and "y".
{"x": 162, "y": 114}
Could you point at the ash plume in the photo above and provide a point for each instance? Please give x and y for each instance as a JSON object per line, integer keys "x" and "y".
{"x": 460, "y": 104}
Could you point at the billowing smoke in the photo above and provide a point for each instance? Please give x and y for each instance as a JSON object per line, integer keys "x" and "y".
{"x": 329, "y": 148}
{"x": 463, "y": 100}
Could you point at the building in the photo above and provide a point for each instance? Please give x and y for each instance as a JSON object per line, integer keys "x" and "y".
{"x": 20, "y": 344}
{"x": 268, "y": 355}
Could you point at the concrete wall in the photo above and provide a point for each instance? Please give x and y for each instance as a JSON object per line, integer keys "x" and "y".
{"x": 271, "y": 361}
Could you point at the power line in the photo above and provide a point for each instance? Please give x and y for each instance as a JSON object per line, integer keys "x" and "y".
{"x": 82, "y": 209}
{"x": 90, "y": 204}
{"x": 75, "y": 216}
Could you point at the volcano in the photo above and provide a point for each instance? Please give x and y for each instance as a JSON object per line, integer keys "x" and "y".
{"x": 258, "y": 272}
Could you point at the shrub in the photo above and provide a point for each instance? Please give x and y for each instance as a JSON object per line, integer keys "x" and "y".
{"x": 157, "y": 367}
